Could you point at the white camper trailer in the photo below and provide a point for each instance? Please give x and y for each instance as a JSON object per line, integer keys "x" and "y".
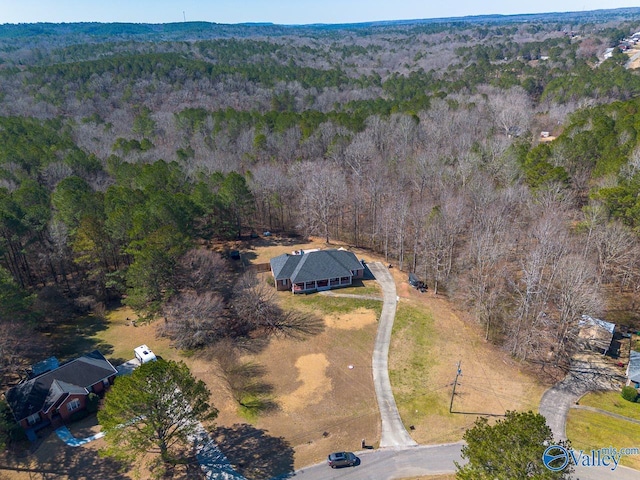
{"x": 144, "y": 354}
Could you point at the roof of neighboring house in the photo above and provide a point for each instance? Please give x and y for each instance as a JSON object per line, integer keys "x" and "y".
{"x": 633, "y": 371}
{"x": 588, "y": 321}
{"x": 42, "y": 392}
{"x": 319, "y": 265}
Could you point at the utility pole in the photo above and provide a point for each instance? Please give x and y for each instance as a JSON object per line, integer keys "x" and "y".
{"x": 455, "y": 383}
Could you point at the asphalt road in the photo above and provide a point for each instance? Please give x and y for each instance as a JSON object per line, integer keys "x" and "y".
{"x": 604, "y": 473}
{"x": 390, "y": 463}
{"x": 393, "y": 433}
{"x": 407, "y": 462}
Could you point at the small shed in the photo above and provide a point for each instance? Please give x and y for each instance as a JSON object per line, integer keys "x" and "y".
{"x": 596, "y": 334}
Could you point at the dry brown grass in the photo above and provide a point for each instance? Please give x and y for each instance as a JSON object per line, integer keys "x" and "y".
{"x": 491, "y": 382}
{"x": 324, "y": 405}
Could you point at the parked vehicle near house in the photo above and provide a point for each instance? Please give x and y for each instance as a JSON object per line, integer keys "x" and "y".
{"x": 418, "y": 284}
{"x": 144, "y": 354}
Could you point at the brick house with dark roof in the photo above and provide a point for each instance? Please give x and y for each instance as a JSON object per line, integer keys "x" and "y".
{"x": 315, "y": 270}
{"x": 53, "y": 396}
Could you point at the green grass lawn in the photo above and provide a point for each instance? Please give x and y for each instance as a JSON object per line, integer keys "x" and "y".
{"x": 409, "y": 371}
{"x": 612, "y": 402}
{"x": 591, "y": 430}
{"x": 329, "y": 305}
{"x": 368, "y": 287}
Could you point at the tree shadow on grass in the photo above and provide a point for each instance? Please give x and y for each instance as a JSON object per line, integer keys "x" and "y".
{"x": 77, "y": 336}
{"x": 53, "y": 459}
{"x": 255, "y": 454}
{"x": 245, "y": 383}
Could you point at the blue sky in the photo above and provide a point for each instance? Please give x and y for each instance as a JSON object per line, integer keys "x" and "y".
{"x": 276, "y": 11}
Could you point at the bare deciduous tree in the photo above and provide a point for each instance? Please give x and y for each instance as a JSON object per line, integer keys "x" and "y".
{"x": 533, "y": 286}
{"x": 255, "y": 304}
{"x": 445, "y": 225}
{"x": 575, "y": 293}
{"x": 617, "y": 248}
{"x": 485, "y": 257}
{"x": 194, "y": 320}
{"x": 511, "y": 109}
{"x": 324, "y": 193}
{"x": 202, "y": 270}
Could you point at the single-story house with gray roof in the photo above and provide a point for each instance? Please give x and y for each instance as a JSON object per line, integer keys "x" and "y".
{"x": 633, "y": 369}
{"x": 53, "y": 396}
{"x": 310, "y": 271}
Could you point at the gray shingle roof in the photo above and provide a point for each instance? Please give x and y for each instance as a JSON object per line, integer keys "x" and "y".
{"x": 320, "y": 265}
{"x": 634, "y": 367}
{"x": 41, "y": 392}
{"x": 59, "y": 388}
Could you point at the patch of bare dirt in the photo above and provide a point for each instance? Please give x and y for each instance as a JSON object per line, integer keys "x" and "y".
{"x": 634, "y": 56}
{"x": 355, "y": 320}
{"x": 315, "y": 384}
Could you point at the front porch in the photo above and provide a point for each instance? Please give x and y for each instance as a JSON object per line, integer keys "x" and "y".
{"x": 320, "y": 285}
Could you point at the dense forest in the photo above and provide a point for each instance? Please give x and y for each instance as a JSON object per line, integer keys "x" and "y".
{"x": 125, "y": 149}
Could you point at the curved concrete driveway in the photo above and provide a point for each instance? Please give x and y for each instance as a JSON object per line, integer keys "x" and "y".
{"x": 393, "y": 432}
{"x": 582, "y": 377}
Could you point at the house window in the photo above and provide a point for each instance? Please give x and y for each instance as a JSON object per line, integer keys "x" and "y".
{"x": 33, "y": 419}
{"x": 73, "y": 405}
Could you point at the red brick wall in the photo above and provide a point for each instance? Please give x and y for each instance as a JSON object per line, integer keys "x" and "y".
{"x": 64, "y": 411}
{"x": 97, "y": 388}
{"x": 25, "y": 425}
